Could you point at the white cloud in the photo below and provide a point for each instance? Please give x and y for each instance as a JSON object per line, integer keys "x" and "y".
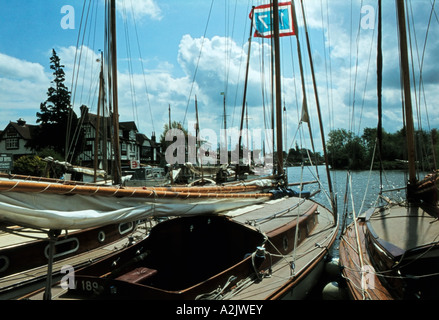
{"x": 13, "y": 68}
{"x": 140, "y": 8}
{"x": 352, "y": 55}
{"x": 24, "y": 84}
{"x": 23, "y": 87}
{"x": 82, "y": 68}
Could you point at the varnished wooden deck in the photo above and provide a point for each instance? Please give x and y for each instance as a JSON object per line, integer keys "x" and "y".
{"x": 357, "y": 267}
{"x": 286, "y": 282}
{"x": 396, "y": 229}
{"x": 405, "y": 227}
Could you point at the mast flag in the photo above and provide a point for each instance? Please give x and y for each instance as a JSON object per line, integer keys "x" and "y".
{"x": 305, "y": 114}
{"x": 263, "y": 20}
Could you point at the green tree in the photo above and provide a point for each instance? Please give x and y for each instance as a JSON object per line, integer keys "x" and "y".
{"x": 394, "y": 145}
{"x": 302, "y": 155}
{"x": 369, "y": 140}
{"x": 336, "y": 148}
{"x": 174, "y": 125}
{"x": 356, "y": 153}
{"x": 165, "y": 144}
{"x": 56, "y": 115}
{"x": 345, "y": 150}
{"x": 391, "y": 145}
{"x": 426, "y": 147}
{"x": 435, "y": 147}
{"x": 29, "y": 165}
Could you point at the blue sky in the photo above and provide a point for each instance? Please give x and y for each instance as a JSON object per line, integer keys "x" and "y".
{"x": 171, "y": 46}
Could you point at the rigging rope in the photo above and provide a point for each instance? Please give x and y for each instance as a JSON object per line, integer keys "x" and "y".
{"x": 421, "y": 94}
{"x": 130, "y": 65}
{"x": 198, "y": 60}
{"x": 74, "y": 84}
{"x": 142, "y": 66}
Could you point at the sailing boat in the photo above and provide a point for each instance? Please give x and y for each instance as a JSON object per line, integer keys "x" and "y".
{"x": 392, "y": 252}
{"x": 274, "y": 250}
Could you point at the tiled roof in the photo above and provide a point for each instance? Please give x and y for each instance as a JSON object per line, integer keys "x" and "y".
{"x": 26, "y": 131}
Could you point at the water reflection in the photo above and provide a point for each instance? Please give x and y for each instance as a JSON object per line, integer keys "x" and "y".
{"x": 365, "y": 186}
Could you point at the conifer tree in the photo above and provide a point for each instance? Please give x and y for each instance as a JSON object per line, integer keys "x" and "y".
{"x": 56, "y": 115}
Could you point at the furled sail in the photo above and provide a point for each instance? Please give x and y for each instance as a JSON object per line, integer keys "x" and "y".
{"x": 61, "y": 206}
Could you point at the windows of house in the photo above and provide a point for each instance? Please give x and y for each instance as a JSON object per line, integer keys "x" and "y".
{"x": 12, "y": 140}
{"x": 12, "y": 143}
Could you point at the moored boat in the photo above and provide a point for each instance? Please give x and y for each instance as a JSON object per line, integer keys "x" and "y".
{"x": 270, "y": 251}
{"x": 391, "y": 251}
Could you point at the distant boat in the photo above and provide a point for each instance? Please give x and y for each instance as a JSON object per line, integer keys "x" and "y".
{"x": 147, "y": 177}
{"x": 392, "y": 251}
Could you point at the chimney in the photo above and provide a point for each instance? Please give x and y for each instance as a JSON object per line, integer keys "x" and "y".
{"x": 21, "y": 122}
{"x": 84, "y": 110}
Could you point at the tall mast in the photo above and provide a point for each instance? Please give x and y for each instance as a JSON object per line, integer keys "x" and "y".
{"x": 113, "y": 54}
{"x": 197, "y": 128}
{"x": 98, "y": 126}
{"x": 197, "y": 138}
{"x": 410, "y": 129}
{"x": 244, "y": 98}
{"x": 278, "y": 84}
{"x": 319, "y": 112}
{"x": 169, "y": 116}
{"x": 225, "y": 119}
{"x": 379, "y": 90}
{"x": 302, "y": 78}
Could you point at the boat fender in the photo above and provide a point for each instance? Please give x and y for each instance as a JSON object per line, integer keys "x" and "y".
{"x": 332, "y": 268}
{"x": 292, "y": 265}
{"x": 113, "y": 290}
{"x": 305, "y": 194}
{"x": 333, "y": 291}
{"x": 282, "y": 192}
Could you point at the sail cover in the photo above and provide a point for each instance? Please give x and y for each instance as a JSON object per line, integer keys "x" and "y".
{"x": 64, "y": 212}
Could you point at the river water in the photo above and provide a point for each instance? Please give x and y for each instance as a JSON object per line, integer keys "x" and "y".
{"x": 355, "y": 191}
{"x": 365, "y": 185}
{"x": 359, "y": 188}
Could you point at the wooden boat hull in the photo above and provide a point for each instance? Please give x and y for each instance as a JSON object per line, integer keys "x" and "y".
{"x": 299, "y": 288}
{"x": 67, "y": 245}
{"x": 191, "y": 257}
{"x": 356, "y": 267}
{"x": 392, "y": 253}
{"x": 24, "y": 261}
